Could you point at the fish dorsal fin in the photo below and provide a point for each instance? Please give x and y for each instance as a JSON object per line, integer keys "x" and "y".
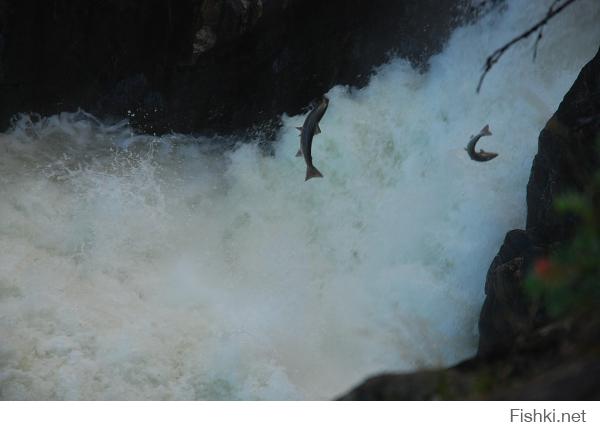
{"x": 299, "y": 128}
{"x": 317, "y": 130}
{"x": 299, "y": 153}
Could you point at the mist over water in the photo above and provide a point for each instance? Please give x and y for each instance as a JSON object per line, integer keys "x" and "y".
{"x": 137, "y": 267}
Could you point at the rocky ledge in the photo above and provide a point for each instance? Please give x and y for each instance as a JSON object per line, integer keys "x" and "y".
{"x": 524, "y": 352}
{"x": 202, "y": 65}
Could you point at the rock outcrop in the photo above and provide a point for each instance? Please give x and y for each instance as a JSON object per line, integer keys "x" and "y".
{"x": 566, "y": 161}
{"x": 202, "y": 65}
{"x": 524, "y": 353}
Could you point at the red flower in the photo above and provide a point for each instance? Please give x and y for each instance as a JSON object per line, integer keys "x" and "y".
{"x": 543, "y": 268}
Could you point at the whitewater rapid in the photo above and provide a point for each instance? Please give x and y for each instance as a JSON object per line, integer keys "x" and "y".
{"x": 141, "y": 267}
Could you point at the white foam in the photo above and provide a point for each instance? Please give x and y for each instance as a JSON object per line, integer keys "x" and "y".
{"x": 134, "y": 267}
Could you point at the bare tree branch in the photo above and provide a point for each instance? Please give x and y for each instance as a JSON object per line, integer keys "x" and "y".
{"x": 539, "y": 26}
{"x": 541, "y": 32}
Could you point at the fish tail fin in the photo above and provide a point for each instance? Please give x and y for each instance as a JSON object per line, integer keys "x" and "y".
{"x": 299, "y": 153}
{"x": 486, "y": 130}
{"x": 312, "y": 172}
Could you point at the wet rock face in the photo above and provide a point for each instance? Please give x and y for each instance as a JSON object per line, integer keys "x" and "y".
{"x": 565, "y": 162}
{"x": 507, "y": 311}
{"x": 202, "y": 65}
{"x": 567, "y": 157}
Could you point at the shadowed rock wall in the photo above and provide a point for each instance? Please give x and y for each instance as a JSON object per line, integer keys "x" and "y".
{"x": 202, "y": 65}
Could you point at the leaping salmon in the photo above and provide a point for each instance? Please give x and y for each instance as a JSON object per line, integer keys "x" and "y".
{"x": 480, "y": 156}
{"x": 309, "y": 129}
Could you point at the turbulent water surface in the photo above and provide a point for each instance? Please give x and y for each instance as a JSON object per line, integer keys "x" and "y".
{"x": 136, "y": 267}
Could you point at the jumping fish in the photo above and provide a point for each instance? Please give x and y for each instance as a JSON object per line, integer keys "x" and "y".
{"x": 480, "y": 156}
{"x": 307, "y": 132}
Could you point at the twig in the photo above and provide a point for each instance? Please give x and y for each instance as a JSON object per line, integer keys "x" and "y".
{"x": 541, "y": 32}
{"x": 537, "y": 42}
{"x": 495, "y": 56}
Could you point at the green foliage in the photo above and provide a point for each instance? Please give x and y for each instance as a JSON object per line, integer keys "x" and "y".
{"x": 569, "y": 279}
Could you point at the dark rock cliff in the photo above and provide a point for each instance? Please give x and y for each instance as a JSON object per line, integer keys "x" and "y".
{"x": 524, "y": 353}
{"x": 202, "y": 65}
